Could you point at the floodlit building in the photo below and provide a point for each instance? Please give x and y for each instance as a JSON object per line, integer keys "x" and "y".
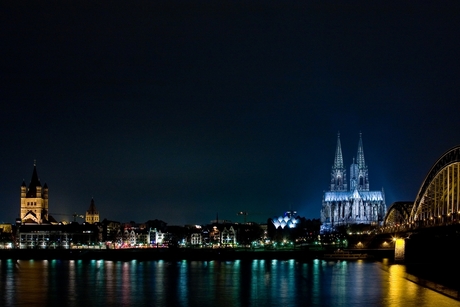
{"x": 196, "y": 238}
{"x": 289, "y": 219}
{"x": 157, "y": 237}
{"x": 353, "y": 204}
{"x": 92, "y": 215}
{"x": 228, "y": 236}
{"x": 34, "y": 201}
{"x": 58, "y": 236}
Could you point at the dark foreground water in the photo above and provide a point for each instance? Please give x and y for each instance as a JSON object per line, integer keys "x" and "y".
{"x": 211, "y": 283}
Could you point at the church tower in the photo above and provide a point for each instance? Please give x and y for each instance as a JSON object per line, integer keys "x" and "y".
{"x": 353, "y": 175}
{"x": 338, "y": 174}
{"x": 363, "y": 175}
{"x": 92, "y": 215}
{"x": 34, "y": 201}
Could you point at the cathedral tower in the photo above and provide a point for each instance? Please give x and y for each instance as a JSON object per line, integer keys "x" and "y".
{"x": 363, "y": 176}
{"x": 338, "y": 174}
{"x": 34, "y": 201}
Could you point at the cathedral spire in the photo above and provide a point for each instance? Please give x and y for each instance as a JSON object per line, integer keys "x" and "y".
{"x": 360, "y": 156}
{"x": 363, "y": 175}
{"x": 338, "y": 161}
{"x": 338, "y": 174}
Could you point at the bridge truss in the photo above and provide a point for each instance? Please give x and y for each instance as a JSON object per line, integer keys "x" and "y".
{"x": 398, "y": 213}
{"x": 438, "y": 200}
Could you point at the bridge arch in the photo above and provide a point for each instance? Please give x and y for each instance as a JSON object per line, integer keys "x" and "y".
{"x": 438, "y": 200}
{"x": 398, "y": 214}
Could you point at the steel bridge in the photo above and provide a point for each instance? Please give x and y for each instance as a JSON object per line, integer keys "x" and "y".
{"x": 437, "y": 203}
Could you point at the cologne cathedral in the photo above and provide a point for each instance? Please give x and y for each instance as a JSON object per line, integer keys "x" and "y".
{"x": 347, "y": 204}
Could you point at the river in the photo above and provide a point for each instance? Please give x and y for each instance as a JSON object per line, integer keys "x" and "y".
{"x": 211, "y": 283}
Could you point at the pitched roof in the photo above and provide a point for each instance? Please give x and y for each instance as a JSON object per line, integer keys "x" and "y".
{"x": 34, "y": 183}
{"x": 92, "y": 208}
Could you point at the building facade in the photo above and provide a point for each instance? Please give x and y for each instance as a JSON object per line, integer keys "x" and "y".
{"x": 347, "y": 204}
{"x": 34, "y": 201}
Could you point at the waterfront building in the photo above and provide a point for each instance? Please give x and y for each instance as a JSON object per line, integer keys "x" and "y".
{"x": 214, "y": 236}
{"x": 143, "y": 237}
{"x": 289, "y": 219}
{"x": 157, "y": 237}
{"x": 6, "y": 236}
{"x": 110, "y": 231}
{"x": 134, "y": 234}
{"x": 58, "y": 236}
{"x": 34, "y": 201}
{"x": 195, "y": 238}
{"x": 92, "y": 215}
{"x": 355, "y": 203}
{"x": 228, "y": 236}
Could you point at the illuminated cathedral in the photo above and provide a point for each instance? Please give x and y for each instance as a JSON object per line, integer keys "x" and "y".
{"x": 347, "y": 204}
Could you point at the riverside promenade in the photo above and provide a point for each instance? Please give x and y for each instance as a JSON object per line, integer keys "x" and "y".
{"x": 170, "y": 254}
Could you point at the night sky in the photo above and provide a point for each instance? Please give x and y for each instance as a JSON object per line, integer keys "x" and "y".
{"x": 180, "y": 111}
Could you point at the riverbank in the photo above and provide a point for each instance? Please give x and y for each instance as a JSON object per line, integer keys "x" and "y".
{"x": 170, "y": 254}
{"x": 442, "y": 278}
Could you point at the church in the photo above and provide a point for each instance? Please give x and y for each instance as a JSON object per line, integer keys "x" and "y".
{"x": 34, "y": 201}
{"x": 347, "y": 204}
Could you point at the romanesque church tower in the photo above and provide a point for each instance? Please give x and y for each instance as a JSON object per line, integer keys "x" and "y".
{"x": 34, "y": 201}
{"x": 92, "y": 215}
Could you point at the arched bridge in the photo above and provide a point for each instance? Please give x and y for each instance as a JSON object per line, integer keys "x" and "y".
{"x": 437, "y": 202}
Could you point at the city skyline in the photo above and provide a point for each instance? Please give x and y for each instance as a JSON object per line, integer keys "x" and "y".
{"x": 180, "y": 112}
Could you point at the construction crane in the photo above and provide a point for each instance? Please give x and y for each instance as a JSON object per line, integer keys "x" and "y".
{"x": 75, "y": 215}
{"x": 243, "y": 213}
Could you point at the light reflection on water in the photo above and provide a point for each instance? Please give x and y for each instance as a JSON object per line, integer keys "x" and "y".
{"x": 211, "y": 283}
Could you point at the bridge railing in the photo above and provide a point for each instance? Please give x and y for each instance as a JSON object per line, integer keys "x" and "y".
{"x": 446, "y": 220}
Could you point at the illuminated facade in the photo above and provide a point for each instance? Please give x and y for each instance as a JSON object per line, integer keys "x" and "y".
{"x": 92, "y": 215}
{"x": 228, "y": 236}
{"x": 356, "y": 205}
{"x": 196, "y": 239}
{"x": 34, "y": 201}
{"x": 289, "y": 220}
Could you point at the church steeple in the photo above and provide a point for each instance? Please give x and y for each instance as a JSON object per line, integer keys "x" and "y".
{"x": 360, "y": 155}
{"x": 34, "y": 185}
{"x": 363, "y": 175}
{"x": 338, "y": 174}
{"x": 338, "y": 161}
{"x": 92, "y": 215}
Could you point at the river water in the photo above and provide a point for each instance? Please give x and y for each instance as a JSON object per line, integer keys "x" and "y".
{"x": 211, "y": 283}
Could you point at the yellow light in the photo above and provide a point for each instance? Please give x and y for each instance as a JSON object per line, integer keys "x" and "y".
{"x": 399, "y": 249}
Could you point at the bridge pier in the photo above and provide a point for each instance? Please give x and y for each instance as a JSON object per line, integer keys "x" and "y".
{"x": 434, "y": 246}
{"x": 400, "y": 250}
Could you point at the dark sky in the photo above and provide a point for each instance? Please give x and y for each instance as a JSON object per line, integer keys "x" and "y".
{"x": 182, "y": 110}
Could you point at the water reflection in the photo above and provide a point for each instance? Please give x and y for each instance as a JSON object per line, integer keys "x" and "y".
{"x": 211, "y": 283}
